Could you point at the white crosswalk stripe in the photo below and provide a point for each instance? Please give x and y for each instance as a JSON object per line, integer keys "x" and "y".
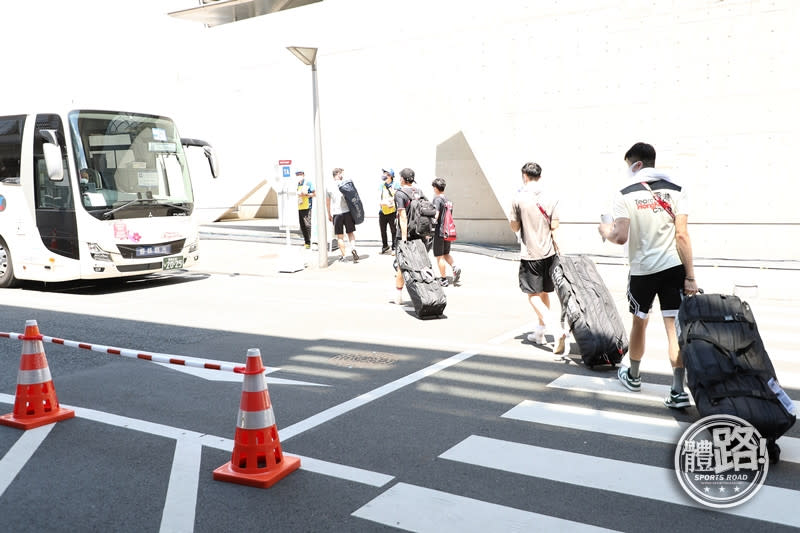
{"x": 416, "y": 508}
{"x": 632, "y": 426}
{"x": 610, "y": 386}
{"x": 770, "y": 504}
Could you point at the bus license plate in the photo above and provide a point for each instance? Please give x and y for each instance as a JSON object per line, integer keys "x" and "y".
{"x": 172, "y": 263}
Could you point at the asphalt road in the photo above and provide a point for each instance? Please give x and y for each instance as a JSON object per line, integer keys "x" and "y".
{"x": 457, "y": 424}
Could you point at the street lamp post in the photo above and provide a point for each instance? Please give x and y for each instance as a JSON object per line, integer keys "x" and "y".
{"x": 309, "y": 57}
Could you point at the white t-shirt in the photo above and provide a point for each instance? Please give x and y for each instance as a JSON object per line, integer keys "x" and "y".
{"x": 338, "y": 203}
{"x": 651, "y": 238}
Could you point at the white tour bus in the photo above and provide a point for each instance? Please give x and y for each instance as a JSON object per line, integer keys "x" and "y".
{"x": 92, "y": 194}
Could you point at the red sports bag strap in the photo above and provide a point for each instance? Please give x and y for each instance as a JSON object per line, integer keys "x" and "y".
{"x": 664, "y": 205}
{"x": 549, "y": 223}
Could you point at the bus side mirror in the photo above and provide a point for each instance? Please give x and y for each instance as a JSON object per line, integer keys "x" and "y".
{"x": 53, "y": 162}
{"x": 213, "y": 162}
{"x": 208, "y": 151}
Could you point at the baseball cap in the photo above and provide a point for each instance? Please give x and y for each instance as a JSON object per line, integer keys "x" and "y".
{"x": 299, "y": 172}
{"x": 390, "y": 171}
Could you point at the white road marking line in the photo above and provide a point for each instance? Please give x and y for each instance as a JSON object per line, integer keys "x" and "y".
{"x": 216, "y": 375}
{"x": 179, "y": 511}
{"x": 20, "y": 453}
{"x": 363, "y": 399}
{"x": 414, "y": 508}
{"x": 608, "y": 422}
{"x": 610, "y": 386}
{"x": 667, "y": 430}
{"x": 651, "y": 482}
{"x": 347, "y": 473}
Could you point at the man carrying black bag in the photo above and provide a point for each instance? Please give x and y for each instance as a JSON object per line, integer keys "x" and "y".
{"x": 651, "y": 215}
{"x": 413, "y": 267}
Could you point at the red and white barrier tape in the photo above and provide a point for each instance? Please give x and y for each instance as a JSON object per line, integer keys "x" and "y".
{"x": 134, "y": 354}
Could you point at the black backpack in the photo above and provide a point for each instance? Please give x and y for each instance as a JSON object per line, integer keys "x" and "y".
{"x": 420, "y": 214}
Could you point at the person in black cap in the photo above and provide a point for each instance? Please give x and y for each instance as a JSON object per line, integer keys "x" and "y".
{"x": 386, "y": 215}
{"x": 305, "y": 192}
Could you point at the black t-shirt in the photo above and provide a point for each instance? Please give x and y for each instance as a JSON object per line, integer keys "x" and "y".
{"x": 403, "y": 197}
{"x": 439, "y": 202}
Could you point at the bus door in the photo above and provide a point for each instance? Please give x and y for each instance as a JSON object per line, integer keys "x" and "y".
{"x": 55, "y": 207}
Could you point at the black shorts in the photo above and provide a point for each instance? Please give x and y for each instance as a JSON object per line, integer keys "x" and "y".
{"x": 440, "y": 247}
{"x": 342, "y": 222}
{"x": 534, "y": 275}
{"x": 667, "y": 284}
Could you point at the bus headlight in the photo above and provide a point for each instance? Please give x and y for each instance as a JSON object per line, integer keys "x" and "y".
{"x": 98, "y": 254}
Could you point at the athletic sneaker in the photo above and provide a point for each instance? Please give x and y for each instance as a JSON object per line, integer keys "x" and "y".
{"x": 398, "y": 297}
{"x": 456, "y": 274}
{"x": 443, "y": 282}
{"x": 355, "y": 256}
{"x": 677, "y": 400}
{"x": 537, "y": 337}
{"x": 308, "y": 246}
{"x": 385, "y": 250}
{"x": 631, "y": 383}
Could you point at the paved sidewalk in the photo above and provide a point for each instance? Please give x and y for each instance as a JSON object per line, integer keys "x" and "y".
{"x": 774, "y": 280}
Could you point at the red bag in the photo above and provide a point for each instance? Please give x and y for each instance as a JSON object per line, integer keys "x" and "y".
{"x": 448, "y": 224}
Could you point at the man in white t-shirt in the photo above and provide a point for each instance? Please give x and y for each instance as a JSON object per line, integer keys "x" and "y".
{"x": 651, "y": 215}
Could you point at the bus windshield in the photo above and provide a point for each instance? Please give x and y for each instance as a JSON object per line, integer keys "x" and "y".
{"x": 130, "y": 165}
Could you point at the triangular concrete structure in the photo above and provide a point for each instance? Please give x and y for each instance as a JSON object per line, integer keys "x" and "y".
{"x": 479, "y": 215}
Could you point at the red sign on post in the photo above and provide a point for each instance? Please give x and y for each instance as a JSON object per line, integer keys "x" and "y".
{"x": 284, "y": 162}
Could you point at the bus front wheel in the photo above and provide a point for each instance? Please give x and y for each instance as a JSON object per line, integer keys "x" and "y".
{"x": 7, "y": 278}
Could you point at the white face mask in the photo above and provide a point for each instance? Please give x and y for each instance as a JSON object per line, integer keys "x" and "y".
{"x": 631, "y": 171}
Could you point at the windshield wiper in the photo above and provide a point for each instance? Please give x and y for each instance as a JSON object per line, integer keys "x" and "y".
{"x": 149, "y": 199}
{"x": 126, "y": 204}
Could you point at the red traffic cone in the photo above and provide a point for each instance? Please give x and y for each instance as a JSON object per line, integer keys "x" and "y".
{"x": 36, "y": 403}
{"x": 257, "y": 457}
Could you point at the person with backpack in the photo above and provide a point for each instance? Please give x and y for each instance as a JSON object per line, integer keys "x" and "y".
{"x": 441, "y": 244}
{"x": 414, "y": 220}
{"x": 651, "y": 215}
{"x": 534, "y": 213}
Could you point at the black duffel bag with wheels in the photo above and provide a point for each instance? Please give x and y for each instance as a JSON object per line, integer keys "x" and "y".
{"x": 727, "y": 367}
{"x": 590, "y": 311}
{"x": 421, "y": 281}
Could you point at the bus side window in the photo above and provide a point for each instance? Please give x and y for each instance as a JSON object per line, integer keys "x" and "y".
{"x": 11, "y": 148}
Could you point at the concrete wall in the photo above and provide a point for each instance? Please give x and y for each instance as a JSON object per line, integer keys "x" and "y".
{"x": 471, "y": 90}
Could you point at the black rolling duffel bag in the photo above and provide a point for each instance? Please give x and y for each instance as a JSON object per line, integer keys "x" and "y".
{"x": 590, "y": 311}
{"x": 728, "y": 368}
{"x": 422, "y": 282}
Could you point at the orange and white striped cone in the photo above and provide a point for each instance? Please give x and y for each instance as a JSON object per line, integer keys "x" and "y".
{"x": 257, "y": 458}
{"x": 36, "y": 403}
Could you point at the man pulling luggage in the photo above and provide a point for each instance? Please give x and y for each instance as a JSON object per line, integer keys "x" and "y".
{"x": 651, "y": 215}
